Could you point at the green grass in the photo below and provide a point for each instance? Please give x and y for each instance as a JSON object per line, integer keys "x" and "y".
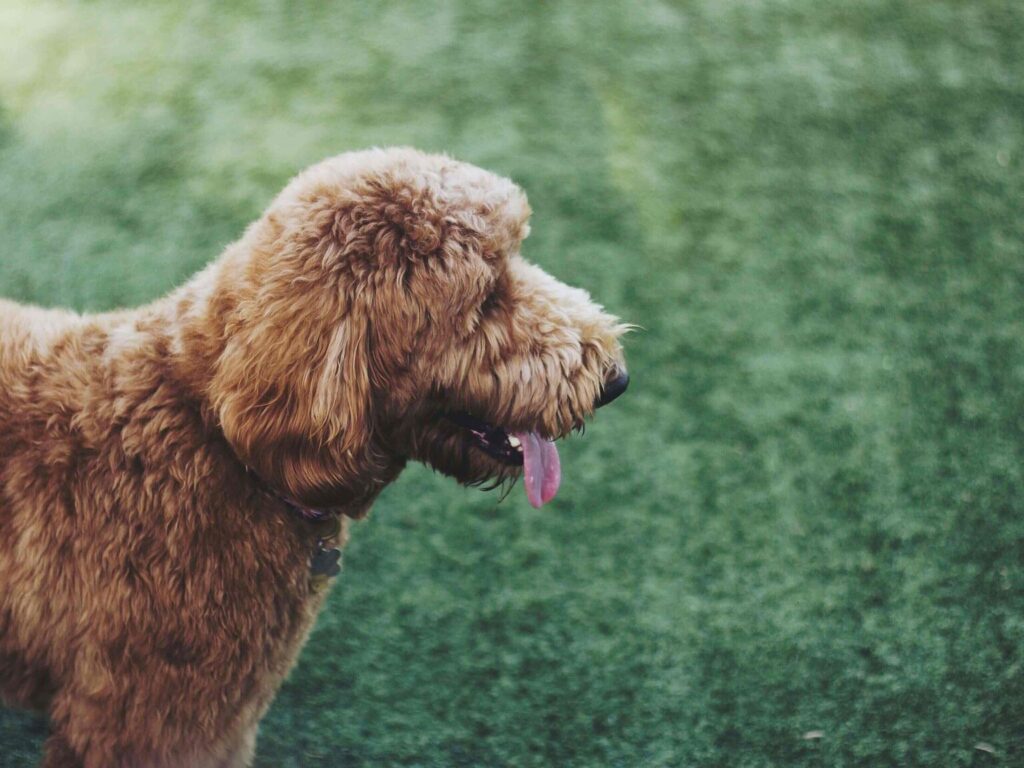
{"x": 808, "y": 512}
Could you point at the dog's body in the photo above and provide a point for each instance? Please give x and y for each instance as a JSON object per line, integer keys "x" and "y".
{"x": 153, "y": 596}
{"x": 155, "y": 583}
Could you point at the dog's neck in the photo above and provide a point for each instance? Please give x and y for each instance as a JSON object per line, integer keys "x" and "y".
{"x": 193, "y": 325}
{"x": 197, "y": 323}
{"x": 303, "y": 511}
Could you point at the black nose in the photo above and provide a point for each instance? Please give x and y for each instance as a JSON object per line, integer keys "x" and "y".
{"x": 613, "y": 387}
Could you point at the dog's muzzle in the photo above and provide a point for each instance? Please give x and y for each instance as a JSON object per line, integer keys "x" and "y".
{"x": 614, "y": 386}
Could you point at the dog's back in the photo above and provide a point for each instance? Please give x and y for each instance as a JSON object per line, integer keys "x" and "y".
{"x": 26, "y": 334}
{"x": 28, "y": 337}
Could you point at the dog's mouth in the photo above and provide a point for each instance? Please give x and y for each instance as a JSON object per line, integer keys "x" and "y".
{"x": 492, "y": 440}
{"x": 538, "y": 456}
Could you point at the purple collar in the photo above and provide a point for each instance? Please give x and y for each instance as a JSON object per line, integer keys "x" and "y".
{"x": 325, "y": 560}
{"x": 311, "y": 514}
{"x": 306, "y": 513}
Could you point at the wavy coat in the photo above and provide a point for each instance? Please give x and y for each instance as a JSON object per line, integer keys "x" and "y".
{"x": 154, "y": 581}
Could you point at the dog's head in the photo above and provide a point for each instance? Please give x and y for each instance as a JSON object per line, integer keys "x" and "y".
{"x": 380, "y": 311}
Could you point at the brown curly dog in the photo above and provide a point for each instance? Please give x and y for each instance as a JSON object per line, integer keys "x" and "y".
{"x": 174, "y": 479}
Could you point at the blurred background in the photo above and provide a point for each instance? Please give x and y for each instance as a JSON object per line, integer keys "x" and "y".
{"x": 799, "y": 539}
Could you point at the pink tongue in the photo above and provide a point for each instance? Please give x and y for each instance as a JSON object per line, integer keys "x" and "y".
{"x": 542, "y": 472}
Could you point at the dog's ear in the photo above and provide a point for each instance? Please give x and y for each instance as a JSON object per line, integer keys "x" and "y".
{"x": 292, "y": 393}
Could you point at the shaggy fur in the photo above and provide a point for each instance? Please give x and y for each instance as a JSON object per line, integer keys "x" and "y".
{"x": 154, "y": 585}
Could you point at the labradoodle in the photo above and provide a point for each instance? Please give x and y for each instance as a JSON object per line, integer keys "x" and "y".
{"x": 176, "y": 480}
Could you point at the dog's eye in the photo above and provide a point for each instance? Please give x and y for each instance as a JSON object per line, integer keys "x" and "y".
{"x": 491, "y": 304}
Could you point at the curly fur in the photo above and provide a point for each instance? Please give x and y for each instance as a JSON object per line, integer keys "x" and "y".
{"x": 153, "y": 592}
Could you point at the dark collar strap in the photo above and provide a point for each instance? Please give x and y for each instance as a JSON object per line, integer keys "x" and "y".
{"x": 312, "y": 514}
{"x": 307, "y": 513}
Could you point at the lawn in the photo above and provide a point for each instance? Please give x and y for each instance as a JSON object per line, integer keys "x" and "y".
{"x": 799, "y": 539}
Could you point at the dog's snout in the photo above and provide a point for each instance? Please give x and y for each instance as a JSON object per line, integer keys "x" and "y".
{"x": 614, "y": 386}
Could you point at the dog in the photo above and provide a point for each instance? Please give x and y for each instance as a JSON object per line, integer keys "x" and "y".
{"x": 176, "y": 480}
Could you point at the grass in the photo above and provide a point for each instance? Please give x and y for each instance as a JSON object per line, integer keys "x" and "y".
{"x": 807, "y": 514}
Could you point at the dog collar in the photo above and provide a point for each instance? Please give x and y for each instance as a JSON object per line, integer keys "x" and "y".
{"x": 325, "y": 561}
{"x": 311, "y": 514}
